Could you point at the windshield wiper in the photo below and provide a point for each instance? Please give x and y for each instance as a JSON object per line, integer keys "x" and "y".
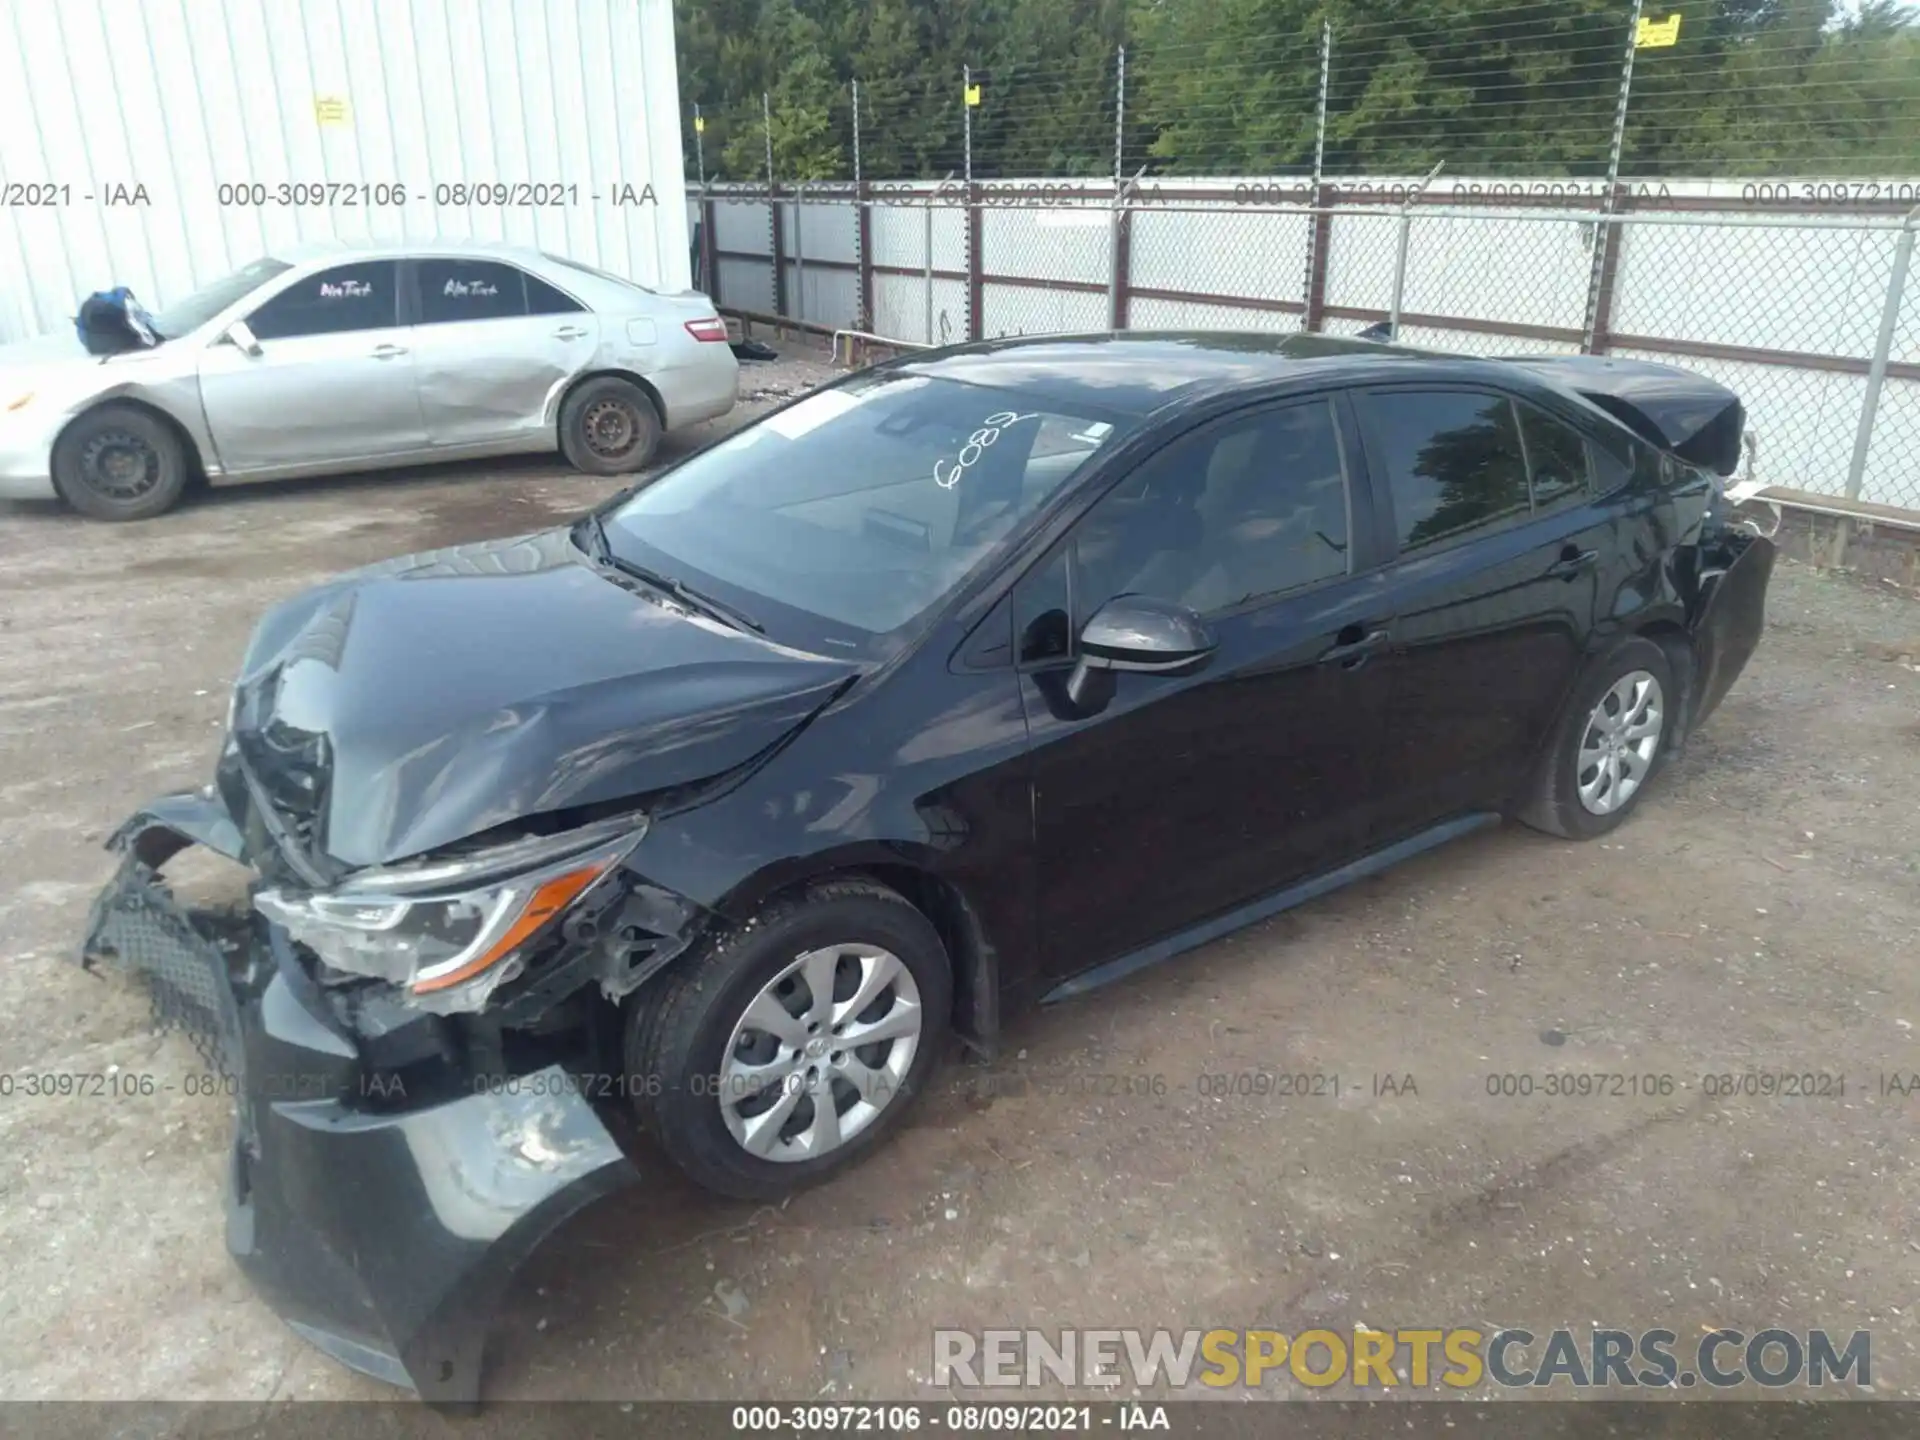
{"x": 596, "y": 544}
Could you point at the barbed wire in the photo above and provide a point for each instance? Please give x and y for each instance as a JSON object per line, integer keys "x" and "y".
{"x": 1531, "y": 91}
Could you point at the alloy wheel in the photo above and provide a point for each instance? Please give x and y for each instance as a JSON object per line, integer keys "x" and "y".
{"x": 823, "y": 1049}
{"x": 1618, "y": 746}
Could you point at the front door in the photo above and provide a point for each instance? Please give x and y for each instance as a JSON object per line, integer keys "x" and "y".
{"x": 333, "y": 382}
{"x": 1187, "y": 796}
{"x": 494, "y": 348}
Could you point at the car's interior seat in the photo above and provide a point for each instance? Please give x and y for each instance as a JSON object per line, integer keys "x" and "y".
{"x": 1275, "y": 511}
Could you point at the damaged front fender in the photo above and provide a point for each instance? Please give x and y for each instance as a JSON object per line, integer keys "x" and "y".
{"x": 384, "y": 1227}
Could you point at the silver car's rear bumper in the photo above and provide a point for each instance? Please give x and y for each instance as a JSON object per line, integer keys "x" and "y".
{"x": 698, "y": 389}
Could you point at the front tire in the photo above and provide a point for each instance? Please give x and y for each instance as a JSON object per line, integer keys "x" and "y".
{"x": 788, "y": 1048}
{"x": 608, "y": 426}
{"x": 1611, "y": 741}
{"x": 120, "y": 462}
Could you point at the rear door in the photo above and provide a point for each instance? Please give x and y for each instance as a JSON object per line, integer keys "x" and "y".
{"x": 1498, "y": 554}
{"x": 493, "y": 348}
{"x": 1188, "y": 795}
{"x": 333, "y": 382}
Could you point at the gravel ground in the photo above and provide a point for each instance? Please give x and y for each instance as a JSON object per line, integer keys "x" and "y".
{"x": 1759, "y": 914}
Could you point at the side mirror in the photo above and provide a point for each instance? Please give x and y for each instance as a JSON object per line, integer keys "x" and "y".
{"x": 1138, "y": 633}
{"x": 238, "y": 334}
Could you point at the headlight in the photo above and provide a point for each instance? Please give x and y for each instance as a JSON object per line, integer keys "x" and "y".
{"x": 435, "y": 927}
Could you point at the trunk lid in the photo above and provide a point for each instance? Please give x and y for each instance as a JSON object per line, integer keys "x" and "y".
{"x": 1692, "y": 417}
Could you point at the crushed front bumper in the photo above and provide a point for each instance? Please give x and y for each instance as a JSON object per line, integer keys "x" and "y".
{"x": 385, "y": 1235}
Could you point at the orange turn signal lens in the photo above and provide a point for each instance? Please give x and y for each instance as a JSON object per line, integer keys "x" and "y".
{"x": 22, "y": 403}
{"x": 549, "y": 900}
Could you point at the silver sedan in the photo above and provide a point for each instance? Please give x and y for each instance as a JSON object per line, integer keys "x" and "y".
{"x": 337, "y": 358}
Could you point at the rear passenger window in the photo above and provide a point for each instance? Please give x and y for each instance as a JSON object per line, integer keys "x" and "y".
{"x": 1622, "y": 462}
{"x": 1452, "y": 461}
{"x": 543, "y": 299}
{"x": 456, "y": 290}
{"x": 1556, "y": 457}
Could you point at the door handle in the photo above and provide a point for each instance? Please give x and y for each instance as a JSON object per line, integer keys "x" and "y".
{"x": 1352, "y": 653}
{"x": 1573, "y": 562}
{"x": 569, "y": 332}
{"x": 388, "y": 352}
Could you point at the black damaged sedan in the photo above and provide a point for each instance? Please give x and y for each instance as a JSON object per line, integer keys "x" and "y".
{"x": 975, "y": 680}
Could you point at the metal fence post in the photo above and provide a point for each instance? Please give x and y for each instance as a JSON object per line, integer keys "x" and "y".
{"x": 929, "y": 217}
{"x": 799, "y": 254}
{"x": 710, "y": 246}
{"x": 699, "y": 144}
{"x": 1606, "y": 235}
{"x": 1316, "y": 232}
{"x": 862, "y": 226}
{"x": 709, "y": 280}
{"x": 966, "y": 120}
{"x": 773, "y": 213}
{"x": 1319, "y": 247}
{"x": 1120, "y": 251}
{"x": 1400, "y": 257}
{"x": 1882, "y": 349}
{"x": 1120, "y": 229}
{"x": 973, "y": 214}
{"x": 1400, "y": 269}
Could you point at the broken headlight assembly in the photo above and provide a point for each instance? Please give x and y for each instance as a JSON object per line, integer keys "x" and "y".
{"x": 450, "y": 931}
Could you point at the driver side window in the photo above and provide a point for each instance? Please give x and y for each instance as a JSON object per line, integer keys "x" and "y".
{"x": 1253, "y": 507}
{"x": 337, "y": 301}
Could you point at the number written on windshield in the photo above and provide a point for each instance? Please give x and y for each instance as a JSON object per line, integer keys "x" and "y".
{"x": 947, "y": 473}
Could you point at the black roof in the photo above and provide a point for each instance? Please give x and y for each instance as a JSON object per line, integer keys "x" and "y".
{"x": 1138, "y": 372}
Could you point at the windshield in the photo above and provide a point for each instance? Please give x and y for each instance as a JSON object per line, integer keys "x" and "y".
{"x": 208, "y": 301}
{"x": 860, "y": 507}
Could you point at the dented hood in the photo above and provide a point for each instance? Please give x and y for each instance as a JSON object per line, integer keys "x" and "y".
{"x": 1695, "y": 418}
{"x": 400, "y": 708}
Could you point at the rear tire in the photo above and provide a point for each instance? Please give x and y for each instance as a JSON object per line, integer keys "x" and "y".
{"x": 733, "y": 1061}
{"x": 120, "y": 462}
{"x": 608, "y": 426}
{"x": 1611, "y": 741}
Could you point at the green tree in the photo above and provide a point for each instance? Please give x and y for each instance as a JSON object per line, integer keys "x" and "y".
{"x": 1231, "y": 86}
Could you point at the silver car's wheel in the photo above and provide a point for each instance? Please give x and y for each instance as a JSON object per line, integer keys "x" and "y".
{"x": 820, "y": 1053}
{"x": 611, "y": 426}
{"x": 1621, "y": 739}
{"x": 608, "y": 426}
{"x": 120, "y": 462}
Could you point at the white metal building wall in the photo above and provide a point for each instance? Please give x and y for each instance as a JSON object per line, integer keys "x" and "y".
{"x": 121, "y": 121}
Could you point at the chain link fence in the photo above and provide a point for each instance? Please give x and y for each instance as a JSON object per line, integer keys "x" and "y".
{"x": 1814, "y": 320}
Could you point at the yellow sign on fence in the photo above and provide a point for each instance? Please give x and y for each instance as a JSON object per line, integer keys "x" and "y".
{"x": 1657, "y": 34}
{"x": 973, "y": 94}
